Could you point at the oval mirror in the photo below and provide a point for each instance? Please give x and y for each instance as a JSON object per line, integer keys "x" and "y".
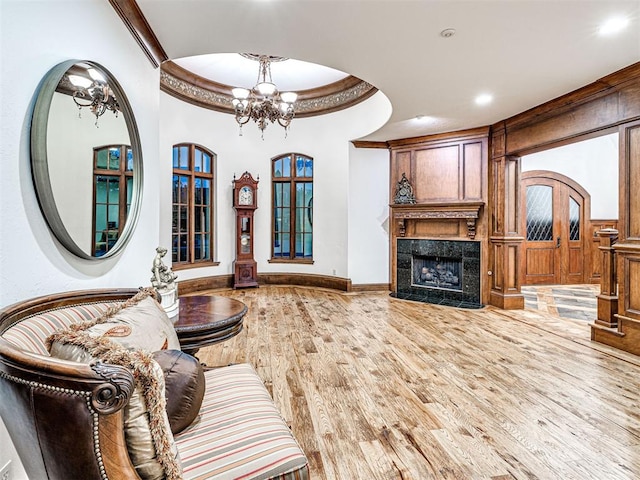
{"x": 86, "y": 159}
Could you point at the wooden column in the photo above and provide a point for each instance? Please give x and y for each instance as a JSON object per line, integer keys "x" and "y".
{"x": 608, "y": 298}
{"x": 627, "y": 249}
{"x": 505, "y": 241}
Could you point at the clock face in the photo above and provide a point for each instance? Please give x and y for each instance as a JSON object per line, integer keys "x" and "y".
{"x": 245, "y": 197}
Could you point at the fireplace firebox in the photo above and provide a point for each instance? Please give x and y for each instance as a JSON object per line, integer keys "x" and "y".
{"x": 436, "y": 272}
{"x": 445, "y": 272}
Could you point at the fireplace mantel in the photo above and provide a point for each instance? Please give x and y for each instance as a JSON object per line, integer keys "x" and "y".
{"x": 469, "y": 211}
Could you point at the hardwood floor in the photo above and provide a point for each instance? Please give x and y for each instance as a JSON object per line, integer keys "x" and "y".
{"x": 379, "y": 388}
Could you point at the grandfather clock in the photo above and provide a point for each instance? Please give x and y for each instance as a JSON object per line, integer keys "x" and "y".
{"x": 245, "y": 198}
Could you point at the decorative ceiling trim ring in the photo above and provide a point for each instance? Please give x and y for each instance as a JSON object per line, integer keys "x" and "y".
{"x": 197, "y": 90}
{"x": 135, "y": 21}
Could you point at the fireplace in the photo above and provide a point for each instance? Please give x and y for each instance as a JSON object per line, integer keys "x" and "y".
{"x": 436, "y": 272}
{"x": 445, "y": 272}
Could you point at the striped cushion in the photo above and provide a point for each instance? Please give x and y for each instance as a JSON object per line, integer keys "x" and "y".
{"x": 240, "y": 434}
{"x": 31, "y": 333}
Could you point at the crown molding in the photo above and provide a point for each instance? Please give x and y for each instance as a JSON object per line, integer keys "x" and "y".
{"x": 196, "y": 90}
{"x": 135, "y": 21}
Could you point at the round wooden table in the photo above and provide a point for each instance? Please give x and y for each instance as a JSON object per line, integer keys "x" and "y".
{"x": 204, "y": 320}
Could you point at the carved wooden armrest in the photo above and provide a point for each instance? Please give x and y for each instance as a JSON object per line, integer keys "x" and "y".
{"x": 65, "y": 418}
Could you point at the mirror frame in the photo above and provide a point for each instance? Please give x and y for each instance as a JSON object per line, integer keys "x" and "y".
{"x": 40, "y": 163}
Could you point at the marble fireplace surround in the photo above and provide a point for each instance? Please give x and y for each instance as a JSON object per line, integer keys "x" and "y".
{"x": 465, "y": 252}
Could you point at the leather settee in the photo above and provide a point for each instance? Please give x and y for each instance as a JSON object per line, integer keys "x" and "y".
{"x": 67, "y": 418}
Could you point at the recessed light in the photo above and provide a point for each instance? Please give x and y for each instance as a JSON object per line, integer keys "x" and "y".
{"x": 424, "y": 119}
{"x": 613, "y": 25}
{"x": 484, "y": 99}
{"x": 448, "y": 32}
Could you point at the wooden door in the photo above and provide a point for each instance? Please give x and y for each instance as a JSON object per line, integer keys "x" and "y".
{"x": 555, "y": 211}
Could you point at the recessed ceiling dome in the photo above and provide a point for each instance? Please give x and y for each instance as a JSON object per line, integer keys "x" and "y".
{"x": 207, "y": 81}
{"x": 239, "y": 71}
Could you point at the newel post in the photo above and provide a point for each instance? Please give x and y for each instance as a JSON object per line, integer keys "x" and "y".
{"x": 608, "y": 298}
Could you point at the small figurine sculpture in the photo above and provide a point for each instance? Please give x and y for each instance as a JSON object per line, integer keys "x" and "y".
{"x": 404, "y": 191}
{"x": 163, "y": 280}
{"x": 162, "y": 277}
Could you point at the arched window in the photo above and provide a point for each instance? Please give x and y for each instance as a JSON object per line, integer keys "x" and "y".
{"x": 192, "y": 232}
{"x": 112, "y": 190}
{"x": 292, "y": 208}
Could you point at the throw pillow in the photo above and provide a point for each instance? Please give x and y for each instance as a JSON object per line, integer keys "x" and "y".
{"x": 184, "y": 387}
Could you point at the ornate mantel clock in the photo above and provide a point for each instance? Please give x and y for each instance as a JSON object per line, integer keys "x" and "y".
{"x": 245, "y": 202}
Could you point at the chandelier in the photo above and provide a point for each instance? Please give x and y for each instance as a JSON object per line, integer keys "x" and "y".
{"x": 94, "y": 93}
{"x": 263, "y": 103}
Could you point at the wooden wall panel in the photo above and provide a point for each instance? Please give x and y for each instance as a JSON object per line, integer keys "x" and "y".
{"x": 496, "y": 202}
{"x": 629, "y": 101}
{"x": 498, "y": 271}
{"x": 472, "y": 171}
{"x": 436, "y": 228}
{"x": 632, "y": 172}
{"x": 437, "y": 174}
{"x": 633, "y": 294}
{"x": 400, "y": 163}
{"x": 513, "y": 284}
{"x": 512, "y": 204}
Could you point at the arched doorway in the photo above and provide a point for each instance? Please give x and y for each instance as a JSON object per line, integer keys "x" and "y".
{"x": 555, "y": 215}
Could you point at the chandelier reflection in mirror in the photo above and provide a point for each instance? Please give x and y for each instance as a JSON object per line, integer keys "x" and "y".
{"x": 94, "y": 93}
{"x": 264, "y": 103}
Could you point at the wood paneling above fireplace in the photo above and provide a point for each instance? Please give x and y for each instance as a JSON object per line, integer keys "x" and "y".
{"x": 448, "y": 168}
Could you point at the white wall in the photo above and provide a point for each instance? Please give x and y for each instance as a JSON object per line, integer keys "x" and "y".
{"x": 592, "y": 163}
{"x": 325, "y": 138}
{"x": 368, "y": 216}
{"x": 34, "y": 37}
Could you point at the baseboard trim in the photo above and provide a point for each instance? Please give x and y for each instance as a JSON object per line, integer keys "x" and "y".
{"x": 305, "y": 280}
{"x": 186, "y": 287}
{"x": 506, "y": 301}
{"x": 201, "y": 284}
{"x": 371, "y": 287}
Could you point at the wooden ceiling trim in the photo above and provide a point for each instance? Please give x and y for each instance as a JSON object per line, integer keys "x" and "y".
{"x": 200, "y": 91}
{"x": 480, "y": 132}
{"x": 587, "y": 111}
{"x": 135, "y": 21}
{"x": 611, "y": 83}
{"x": 370, "y": 144}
